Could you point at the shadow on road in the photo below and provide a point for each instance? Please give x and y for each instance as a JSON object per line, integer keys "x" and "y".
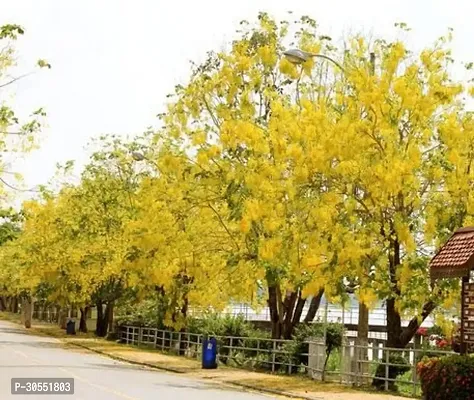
{"x": 14, "y": 331}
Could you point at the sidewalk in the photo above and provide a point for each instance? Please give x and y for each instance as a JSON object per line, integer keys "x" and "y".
{"x": 292, "y": 387}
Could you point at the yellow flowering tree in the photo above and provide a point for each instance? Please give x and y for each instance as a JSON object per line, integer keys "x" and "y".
{"x": 398, "y": 135}
{"x": 254, "y": 127}
{"x": 334, "y": 180}
{"x": 72, "y": 250}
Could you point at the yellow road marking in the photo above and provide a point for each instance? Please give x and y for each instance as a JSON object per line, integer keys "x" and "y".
{"x": 101, "y": 387}
{"x": 73, "y": 375}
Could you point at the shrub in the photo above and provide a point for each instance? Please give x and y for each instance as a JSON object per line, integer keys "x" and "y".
{"x": 221, "y": 327}
{"x": 399, "y": 367}
{"x": 450, "y": 377}
{"x": 298, "y": 349}
{"x": 213, "y": 324}
{"x": 144, "y": 313}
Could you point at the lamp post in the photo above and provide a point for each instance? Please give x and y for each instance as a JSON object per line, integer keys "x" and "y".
{"x": 297, "y": 56}
{"x": 137, "y": 156}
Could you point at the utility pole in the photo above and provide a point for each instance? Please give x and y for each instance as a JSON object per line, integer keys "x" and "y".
{"x": 363, "y": 323}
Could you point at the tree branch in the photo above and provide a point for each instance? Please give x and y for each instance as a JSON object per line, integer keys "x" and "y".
{"x": 314, "y": 306}
{"x": 224, "y": 226}
{"x": 410, "y": 330}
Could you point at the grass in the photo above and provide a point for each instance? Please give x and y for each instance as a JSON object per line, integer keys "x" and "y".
{"x": 44, "y": 328}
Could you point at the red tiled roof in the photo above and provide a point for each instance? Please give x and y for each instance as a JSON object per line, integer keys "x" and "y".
{"x": 456, "y": 257}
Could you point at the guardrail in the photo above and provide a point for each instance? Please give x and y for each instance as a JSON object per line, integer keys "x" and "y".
{"x": 351, "y": 364}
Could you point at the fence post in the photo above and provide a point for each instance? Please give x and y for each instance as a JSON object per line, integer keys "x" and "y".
{"x": 387, "y": 358}
{"x": 188, "y": 345}
{"x": 414, "y": 375}
{"x": 162, "y": 340}
{"x": 273, "y": 355}
{"x": 290, "y": 365}
{"x": 155, "y": 337}
{"x": 342, "y": 363}
{"x": 199, "y": 347}
{"x": 140, "y": 336}
{"x": 357, "y": 365}
{"x": 229, "y": 357}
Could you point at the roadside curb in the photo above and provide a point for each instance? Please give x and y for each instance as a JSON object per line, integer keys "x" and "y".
{"x": 127, "y": 360}
{"x": 177, "y": 371}
{"x": 273, "y": 391}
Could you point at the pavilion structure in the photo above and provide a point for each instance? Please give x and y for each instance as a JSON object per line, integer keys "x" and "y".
{"x": 455, "y": 259}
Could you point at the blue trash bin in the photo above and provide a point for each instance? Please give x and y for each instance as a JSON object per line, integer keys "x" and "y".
{"x": 209, "y": 353}
{"x": 71, "y": 327}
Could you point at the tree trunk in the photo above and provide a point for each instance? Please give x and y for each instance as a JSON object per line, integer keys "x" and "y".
{"x": 62, "y": 317}
{"x": 398, "y": 337}
{"x": 394, "y": 320}
{"x": 50, "y": 313}
{"x": 286, "y": 315}
{"x": 102, "y": 319}
{"x": 273, "y": 294}
{"x": 314, "y": 306}
{"x": 298, "y": 310}
{"x": 44, "y": 311}
{"x": 110, "y": 316}
{"x": 414, "y": 324}
{"x": 288, "y": 307}
{"x": 27, "y": 311}
{"x": 99, "y": 328}
{"x": 3, "y": 303}
{"x": 394, "y": 325}
{"x": 83, "y": 320}
{"x": 363, "y": 325}
{"x": 15, "y": 305}
{"x": 362, "y": 342}
{"x": 22, "y": 312}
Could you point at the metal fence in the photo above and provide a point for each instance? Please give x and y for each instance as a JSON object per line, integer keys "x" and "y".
{"x": 45, "y": 315}
{"x": 351, "y": 364}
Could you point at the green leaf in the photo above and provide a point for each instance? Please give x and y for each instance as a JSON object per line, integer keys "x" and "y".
{"x": 11, "y": 31}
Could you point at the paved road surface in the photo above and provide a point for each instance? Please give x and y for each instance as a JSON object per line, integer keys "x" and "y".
{"x": 96, "y": 377}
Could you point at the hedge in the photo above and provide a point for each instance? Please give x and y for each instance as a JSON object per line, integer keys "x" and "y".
{"x": 450, "y": 377}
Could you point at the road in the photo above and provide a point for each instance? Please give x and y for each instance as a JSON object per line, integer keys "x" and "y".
{"x": 23, "y": 355}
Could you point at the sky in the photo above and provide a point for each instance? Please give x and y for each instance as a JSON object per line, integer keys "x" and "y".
{"x": 114, "y": 61}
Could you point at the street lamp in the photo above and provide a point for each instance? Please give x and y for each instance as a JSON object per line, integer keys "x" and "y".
{"x": 138, "y": 156}
{"x": 297, "y": 56}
